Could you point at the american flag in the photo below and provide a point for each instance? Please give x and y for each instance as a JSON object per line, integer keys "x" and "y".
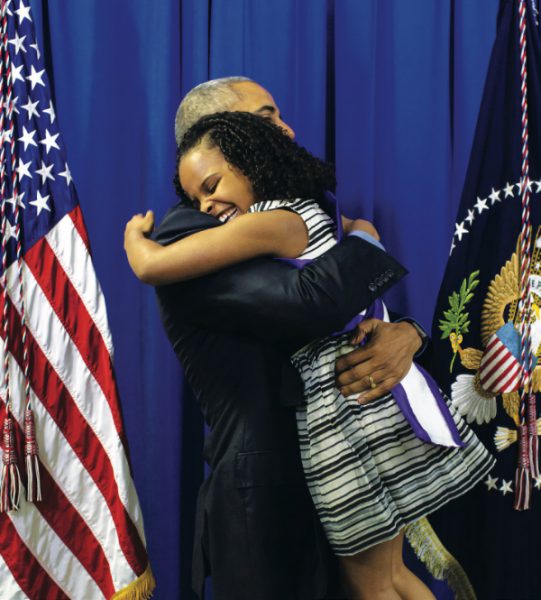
{"x": 85, "y": 538}
{"x": 484, "y": 306}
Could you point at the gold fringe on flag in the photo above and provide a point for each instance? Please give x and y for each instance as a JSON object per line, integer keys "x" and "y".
{"x": 140, "y": 589}
{"x": 504, "y": 436}
{"x": 440, "y": 563}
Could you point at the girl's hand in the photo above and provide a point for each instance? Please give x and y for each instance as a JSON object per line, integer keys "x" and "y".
{"x": 137, "y": 228}
{"x": 135, "y": 241}
{"x": 143, "y": 224}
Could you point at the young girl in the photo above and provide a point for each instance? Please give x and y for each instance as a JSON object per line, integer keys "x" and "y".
{"x": 371, "y": 469}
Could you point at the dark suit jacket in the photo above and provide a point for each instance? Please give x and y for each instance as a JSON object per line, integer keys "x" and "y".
{"x": 257, "y": 534}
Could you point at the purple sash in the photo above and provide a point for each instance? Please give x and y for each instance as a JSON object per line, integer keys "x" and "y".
{"x": 417, "y": 395}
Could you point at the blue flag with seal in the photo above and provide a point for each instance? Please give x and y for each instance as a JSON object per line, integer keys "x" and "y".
{"x": 487, "y": 324}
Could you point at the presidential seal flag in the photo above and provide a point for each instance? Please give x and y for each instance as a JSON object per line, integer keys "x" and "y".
{"x": 70, "y": 522}
{"x": 487, "y": 324}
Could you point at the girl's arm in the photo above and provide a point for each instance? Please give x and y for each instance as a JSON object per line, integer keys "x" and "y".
{"x": 279, "y": 233}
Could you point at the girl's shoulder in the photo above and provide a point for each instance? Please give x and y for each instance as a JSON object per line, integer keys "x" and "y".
{"x": 306, "y": 208}
{"x": 321, "y": 228}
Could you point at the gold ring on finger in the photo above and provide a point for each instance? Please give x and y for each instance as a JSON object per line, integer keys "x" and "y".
{"x": 373, "y": 384}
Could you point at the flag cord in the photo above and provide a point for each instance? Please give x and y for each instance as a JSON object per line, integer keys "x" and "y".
{"x": 527, "y": 465}
{"x": 10, "y": 471}
{"x": 33, "y": 486}
{"x": 10, "y": 478}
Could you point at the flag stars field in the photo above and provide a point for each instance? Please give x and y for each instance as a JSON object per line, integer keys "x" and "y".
{"x": 9, "y": 232}
{"x": 66, "y": 173}
{"x": 509, "y": 190}
{"x": 19, "y": 200}
{"x": 495, "y": 196}
{"x": 23, "y": 12}
{"x": 50, "y": 112}
{"x": 460, "y": 230}
{"x": 36, "y": 77}
{"x": 18, "y": 43}
{"x": 24, "y": 169}
{"x": 491, "y": 483}
{"x": 16, "y": 73}
{"x": 40, "y": 161}
{"x": 45, "y": 172}
{"x": 6, "y": 136}
{"x": 31, "y": 108}
{"x": 28, "y": 138}
{"x": 506, "y": 487}
{"x": 49, "y": 141}
{"x": 14, "y": 105}
{"x": 481, "y": 205}
{"x": 40, "y": 203}
{"x": 36, "y": 48}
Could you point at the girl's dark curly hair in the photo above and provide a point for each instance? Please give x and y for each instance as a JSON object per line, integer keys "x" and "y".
{"x": 276, "y": 166}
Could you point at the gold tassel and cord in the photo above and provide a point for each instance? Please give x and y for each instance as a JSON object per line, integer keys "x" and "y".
{"x": 440, "y": 563}
{"x": 140, "y": 589}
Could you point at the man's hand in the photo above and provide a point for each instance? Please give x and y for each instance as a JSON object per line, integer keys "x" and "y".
{"x": 375, "y": 368}
{"x": 350, "y": 225}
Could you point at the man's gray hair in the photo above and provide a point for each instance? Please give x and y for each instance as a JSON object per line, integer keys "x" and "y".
{"x": 206, "y": 98}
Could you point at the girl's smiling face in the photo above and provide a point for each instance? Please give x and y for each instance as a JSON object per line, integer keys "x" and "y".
{"x": 213, "y": 185}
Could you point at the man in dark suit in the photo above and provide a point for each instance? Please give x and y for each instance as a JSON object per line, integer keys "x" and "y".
{"x": 257, "y": 533}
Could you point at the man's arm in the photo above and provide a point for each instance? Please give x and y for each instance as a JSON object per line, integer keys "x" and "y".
{"x": 274, "y": 300}
{"x": 277, "y": 302}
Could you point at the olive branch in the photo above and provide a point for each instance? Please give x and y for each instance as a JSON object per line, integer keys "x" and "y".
{"x": 456, "y": 319}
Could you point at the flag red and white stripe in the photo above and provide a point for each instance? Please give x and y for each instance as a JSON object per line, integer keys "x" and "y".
{"x": 499, "y": 372}
{"x": 86, "y": 538}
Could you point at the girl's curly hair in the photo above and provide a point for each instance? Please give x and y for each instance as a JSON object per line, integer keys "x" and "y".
{"x": 276, "y": 166}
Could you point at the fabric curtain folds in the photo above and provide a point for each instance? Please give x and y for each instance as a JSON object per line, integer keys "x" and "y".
{"x": 389, "y": 90}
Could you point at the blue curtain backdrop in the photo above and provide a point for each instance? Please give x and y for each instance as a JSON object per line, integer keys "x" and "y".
{"x": 388, "y": 89}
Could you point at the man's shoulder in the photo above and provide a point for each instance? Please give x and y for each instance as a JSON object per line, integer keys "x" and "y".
{"x": 181, "y": 221}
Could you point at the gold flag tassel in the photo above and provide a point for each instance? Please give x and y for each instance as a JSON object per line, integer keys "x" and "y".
{"x": 140, "y": 589}
{"x": 440, "y": 563}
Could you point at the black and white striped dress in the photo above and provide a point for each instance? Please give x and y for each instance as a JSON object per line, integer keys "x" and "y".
{"x": 368, "y": 474}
